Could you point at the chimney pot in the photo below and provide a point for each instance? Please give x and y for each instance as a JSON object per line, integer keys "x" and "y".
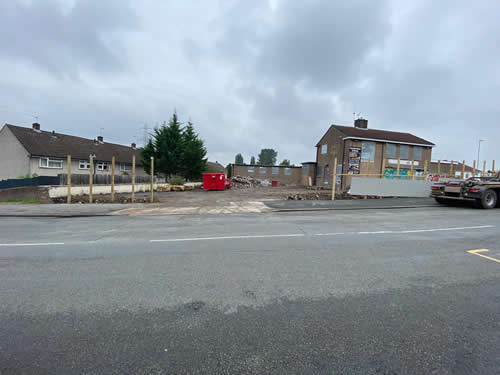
{"x": 100, "y": 139}
{"x": 133, "y": 146}
{"x": 36, "y": 126}
{"x": 361, "y": 123}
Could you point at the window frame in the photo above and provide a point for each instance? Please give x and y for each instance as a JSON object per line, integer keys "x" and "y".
{"x": 100, "y": 166}
{"x": 324, "y": 149}
{"x": 275, "y": 170}
{"x": 251, "y": 170}
{"x": 364, "y": 154}
{"x": 395, "y": 148}
{"x": 262, "y": 170}
{"x": 84, "y": 162}
{"x": 123, "y": 167}
{"x": 407, "y": 148}
{"x": 49, "y": 160}
{"x": 421, "y": 152}
{"x": 288, "y": 171}
{"x": 326, "y": 174}
{"x": 319, "y": 171}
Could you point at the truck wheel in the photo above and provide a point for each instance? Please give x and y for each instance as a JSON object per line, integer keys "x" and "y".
{"x": 489, "y": 199}
{"x": 440, "y": 200}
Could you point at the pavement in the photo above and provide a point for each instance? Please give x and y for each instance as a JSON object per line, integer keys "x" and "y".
{"x": 350, "y": 292}
{"x": 221, "y": 206}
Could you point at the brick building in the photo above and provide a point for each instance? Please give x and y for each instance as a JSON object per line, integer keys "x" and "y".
{"x": 363, "y": 151}
{"x": 275, "y": 174}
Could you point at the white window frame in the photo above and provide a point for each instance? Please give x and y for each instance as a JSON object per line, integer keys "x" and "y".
{"x": 324, "y": 149}
{"x": 368, "y": 150}
{"x": 48, "y": 161}
{"x": 100, "y": 166}
{"x": 326, "y": 174}
{"x": 262, "y": 170}
{"x": 251, "y": 170}
{"x": 394, "y": 148}
{"x": 288, "y": 171}
{"x": 84, "y": 164}
{"x": 125, "y": 167}
{"x": 275, "y": 170}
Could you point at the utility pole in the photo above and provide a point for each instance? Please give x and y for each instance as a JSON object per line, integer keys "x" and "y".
{"x": 479, "y": 152}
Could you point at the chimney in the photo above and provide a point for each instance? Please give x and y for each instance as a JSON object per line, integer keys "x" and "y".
{"x": 361, "y": 123}
{"x": 36, "y": 126}
{"x": 100, "y": 139}
{"x": 133, "y": 145}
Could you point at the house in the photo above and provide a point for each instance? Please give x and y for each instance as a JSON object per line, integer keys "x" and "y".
{"x": 28, "y": 151}
{"x": 363, "y": 151}
{"x": 275, "y": 175}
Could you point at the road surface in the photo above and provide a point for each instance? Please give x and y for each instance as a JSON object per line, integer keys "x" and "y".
{"x": 344, "y": 292}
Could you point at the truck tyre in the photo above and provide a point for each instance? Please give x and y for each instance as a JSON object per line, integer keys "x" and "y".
{"x": 440, "y": 200}
{"x": 489, "y": 199}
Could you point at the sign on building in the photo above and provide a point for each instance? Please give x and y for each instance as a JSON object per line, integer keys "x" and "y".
{"x": 354, "y": 160}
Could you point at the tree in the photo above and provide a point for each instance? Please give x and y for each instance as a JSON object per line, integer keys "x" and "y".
{"x": 176, "y": 151}
{"x": 238, "y": 159}
{"x": 229, "y": 170}
{"x": 252, "y": 160}
{"x": 267, "y": 156}
{"x": 285, "y": 162}
{"x": 193, "y": 161}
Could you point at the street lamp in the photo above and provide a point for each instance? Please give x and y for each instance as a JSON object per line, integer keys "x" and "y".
{"x": 479, "y": 153}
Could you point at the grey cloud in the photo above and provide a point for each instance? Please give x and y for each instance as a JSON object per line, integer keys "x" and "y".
{"x": 63, "y": 41}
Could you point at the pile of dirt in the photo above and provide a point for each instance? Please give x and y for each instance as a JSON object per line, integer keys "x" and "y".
{"x": 240, "y": 182}
{"x": 309, "y": 196}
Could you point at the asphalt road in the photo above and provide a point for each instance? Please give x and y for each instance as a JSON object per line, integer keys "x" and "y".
{"x": 336, "y": 292}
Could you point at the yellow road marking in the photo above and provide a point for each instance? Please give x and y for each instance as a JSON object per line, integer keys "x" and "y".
{"x": 475, "y": 252}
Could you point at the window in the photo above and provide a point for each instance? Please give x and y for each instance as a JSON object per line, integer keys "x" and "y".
{"x": 251, "y": 170}
{"x": 276, "y": 170}
{"x": 368, "y": 151}
{"x": 102, "y": 166}
{"x": 324, "y": 149}
{"x": 125, "y": 167}
{"x": 305, "y": 168}
{"x": 84, "y": 164}
{"x": 404, "y": 152}
{"x": 417, "y": 153}
{"x": 50, "y": 163}
{"x": 288, "y": 171}
{"x": 390, "y": 151}
{"x": 262, "y": 170}
{"x": 325, "y": 175}
{"x": 318, "y": 171}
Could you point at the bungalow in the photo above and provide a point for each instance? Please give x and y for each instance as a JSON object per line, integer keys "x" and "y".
{"x": 28, "y": 151}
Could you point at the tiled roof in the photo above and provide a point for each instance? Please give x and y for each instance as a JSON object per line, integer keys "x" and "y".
{"x": 380, "y": 135}
{"x": 43, "y": 143}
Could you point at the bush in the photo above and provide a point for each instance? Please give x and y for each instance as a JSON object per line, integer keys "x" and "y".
{"x": 177, "y": 180}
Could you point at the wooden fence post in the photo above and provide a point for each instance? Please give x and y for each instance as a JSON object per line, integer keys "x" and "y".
{"x": 412, "y": 170}
{"x": 439, "y": 170}
{"x": 462, "y": 174}
{"x": 133, "y": 178}
{"x": 474, "y": 169}
{"x": 91, "y": 176}
{"x": 152, "y": 177}
{"x": 484, "y": 168}
{"x": 113, "y": 179}
{"x": 383, "y": 168}
{"x": 334, "y": 182}
{"x": 69, "y": 178}
{"x": 425, "y": 170}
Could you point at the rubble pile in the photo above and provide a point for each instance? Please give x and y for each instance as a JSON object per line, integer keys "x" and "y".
{"x": 240, "y": 182}
{"x": 309, "y": 196}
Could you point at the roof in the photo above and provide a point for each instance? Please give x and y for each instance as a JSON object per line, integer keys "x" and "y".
{"x": 259, "y": 165}
{"x": 351, "y": 132}
{"x": 44, "y": 143}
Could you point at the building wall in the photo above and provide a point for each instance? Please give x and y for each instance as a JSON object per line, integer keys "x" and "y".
{"x": 308, "y": 174}
{"x": 14, "y": 159}
{"x": 34, "y": 166}
{"x": 295, "y": 177}
{"x": 334, "y": 141}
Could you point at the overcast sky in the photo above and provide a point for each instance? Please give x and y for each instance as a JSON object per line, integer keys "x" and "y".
{"x": 255, "y": 74}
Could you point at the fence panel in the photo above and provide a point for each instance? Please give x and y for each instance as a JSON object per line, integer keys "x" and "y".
{"x": 35, "y": 181}
{"x": 101, "y": 179}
